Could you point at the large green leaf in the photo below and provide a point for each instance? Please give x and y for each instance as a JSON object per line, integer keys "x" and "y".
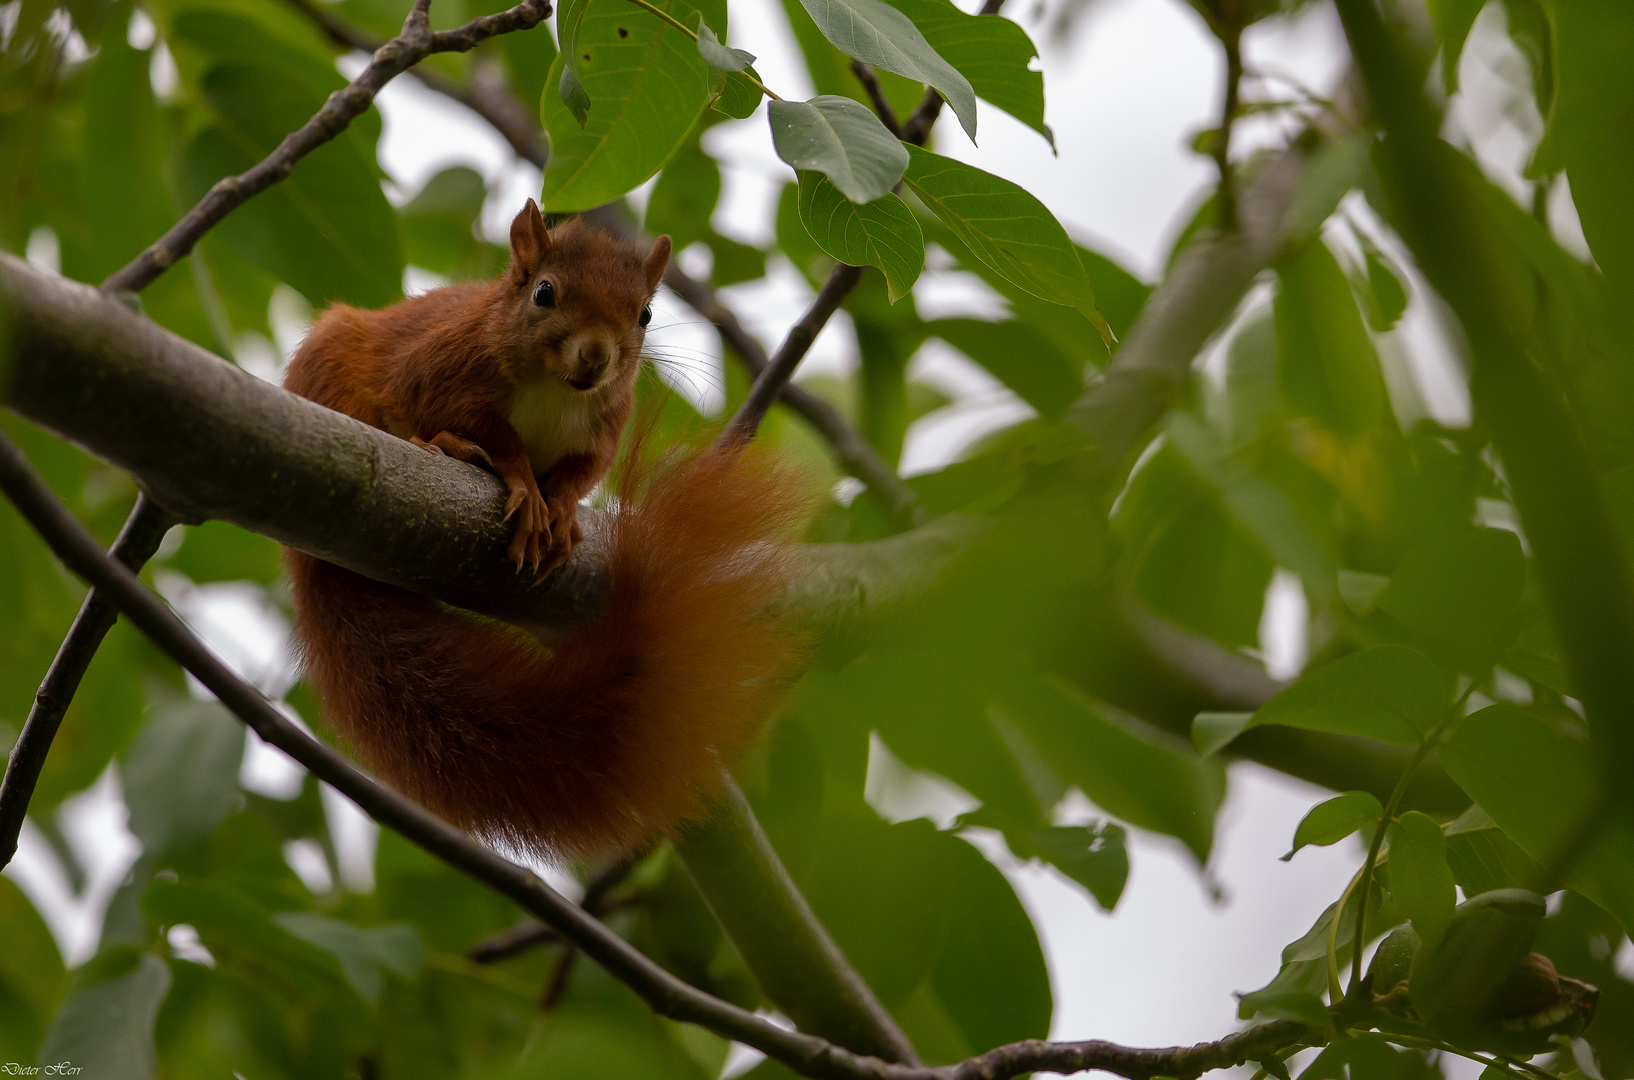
{"x": 645, "y": 87}
{"x": 1463, "y": 588}
{"x": 1588, "y": 126}
{"x": 1388, "y": 692}
{"x": 843, "y": 140}
{"x": 991, "y": 51}
{"x": 1019, "y": 356}
{"x": 1537, "y": 782}
{"x": 1421, "y": 883}
{"x": 1135, "y": 774}
{"x": 327, "y": 229}
{"x": 1006, "y": 228}
{"x": 1327, "y": 367}
{"x": 106, "y": 1027}
{"x": 878, "y": 34}
{"x": 882, "y": 233}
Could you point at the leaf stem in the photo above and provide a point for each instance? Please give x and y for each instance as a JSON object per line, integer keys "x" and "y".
{"x": 647, "y": 5}
{"x": 1428, "y": 743}
{"x": 1335, "y": 991}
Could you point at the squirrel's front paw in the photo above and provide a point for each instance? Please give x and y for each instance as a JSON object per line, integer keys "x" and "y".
{"x": 533, "y": 535}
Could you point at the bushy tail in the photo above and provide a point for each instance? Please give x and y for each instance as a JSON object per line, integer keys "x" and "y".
{"x": 610, "y": 738}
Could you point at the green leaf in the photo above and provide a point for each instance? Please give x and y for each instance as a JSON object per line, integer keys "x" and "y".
{"x": 1330, "y": 822}
{"x": 1006, "y": 228}
{"x": 440, "y": 225}
{"x": 1588, "y": 122}
{"x": 1385, "y": 296}
{"x": 843, "y": 140}
{"x": 1483, "y": 858}
{"x": 992, "y": 52}
{"x": 1127, "y": 770}
{"x": 1463, "y": 588}
{"x": 216, "y": 551}
{"x": 1388, "y": 692}
{"x": 106, "y": 1028}
{"x": 1300, "y": 1006}
{"x": 734, "y": 95}
{"x": 327, "y": 229}
{"x": 880, "y": 35}
{"x": 1420, "y": 881}
{"x": 1327, "y": 367}
{"x": 1095, "y": 856}
{"x": 1211, "y": 732}
{"x": 1537, "y": 781}
{"x": 1453, "y": 19}
{"x": 569, "y": 89}
{"x": 32, "y": 978}
{"x": 1021, "y": 357}
{"x": 718, "y": 56}
{"x": 1485, "y": 938}
{"x": 645, "y": 85}
{"x": 363, "y": 955}
{"x": 180, "y": 775}
{"x": 882, "y": 233}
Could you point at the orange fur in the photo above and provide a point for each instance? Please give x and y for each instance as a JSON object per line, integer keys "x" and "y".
{"x": 618, "y": 734}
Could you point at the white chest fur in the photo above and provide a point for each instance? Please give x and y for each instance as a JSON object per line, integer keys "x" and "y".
{"x": 554, "y": 421}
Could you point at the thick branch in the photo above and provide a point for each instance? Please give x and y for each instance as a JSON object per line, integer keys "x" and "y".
{"x": 415, "y": 43}
{"x": 137, "y": 542}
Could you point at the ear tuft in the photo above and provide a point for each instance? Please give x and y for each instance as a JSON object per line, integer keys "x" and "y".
{"x": 529, "y": 241}
{"x": 656, "y": 261}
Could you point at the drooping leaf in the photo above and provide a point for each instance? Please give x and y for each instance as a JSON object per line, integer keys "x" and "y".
{"x": 879, "y": 35}
{"x": 1331, "y": 821}
{"x": 1453, "y": 19}
{"x": 1327, "y": 367}
{"x": 180, "y": 774}
{"x": 882, "y": 233}
{"x": 843, "y": 140}
{"x": 718, "y": 56}
{"x": 991, "y": 51}
{"x": 645, "y": 86}
{"x": 1421, "y": 883}
{"x": 1095, "y": 856}
{"x": 1007, "y": 228}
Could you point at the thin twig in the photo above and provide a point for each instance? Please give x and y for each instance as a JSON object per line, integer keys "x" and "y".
{"x": 1231, "y": 41}
{"x": 663, "y": 992}
{"x": 137, "y": 542}
{"x": 415, "y": 43}
{"x": 603, "y": 880}
{"x": 513, "y": 942}
{"x": 771, "y": 380}
{"x": 486, "y": 94}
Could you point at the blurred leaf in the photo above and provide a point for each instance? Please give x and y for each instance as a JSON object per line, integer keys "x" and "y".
{"x": 1327, "y": 368}
{"x": 106, "y": 1027}
{"x": 216, "y": 551}
{"x": 1019, "y": 356}
{"x": 1304, "y": 962}
{"x": 1421, "y": 883}
{"x": 883, "y": 37}
{"x": 1007, "y": 228}
{"x": 882, "y": 233}
{"x": 1330, "y": 822}
{"x": 364, "y": 955}
{"x": 1384, "y": 297}
{"x": 646, "y": 87}
{"x": 1388, "y": 692}
{"x": 1463, "y": 589}
{"x": 32, "y": 978}
{"x": 685, "y": 197}
{"x": 841, "y": 139}
{"x": 1487, "y": 935}
{"x": 1482, "y": 858}
{"x": 1453, "y": 19}
{"x": 1592, "y": 40}
{"x": 1537, "y": 783}
{"x": 1131, "y": 773}
{"x": 440, "y": 225}
{"x": 180, "y": 775}
{"x": 327, "y": 230}
{"x": 992, "y": 52}
{"x": 605, "y": 1031}
{"x": 1095, "y": 856}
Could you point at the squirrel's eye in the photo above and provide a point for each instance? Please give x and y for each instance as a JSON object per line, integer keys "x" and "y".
{"x": 646, "y": 315}
{"x": 545, "y": 294}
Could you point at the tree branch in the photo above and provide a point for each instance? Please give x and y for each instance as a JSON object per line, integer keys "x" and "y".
{"x": 137, "y": 542}
{"x": 415, "y": 43}
{"x": 663, "y": 992}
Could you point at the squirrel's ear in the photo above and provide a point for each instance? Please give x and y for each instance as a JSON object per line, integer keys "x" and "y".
{"x": 529, "y": 241}
{"x": 656, "y": 261}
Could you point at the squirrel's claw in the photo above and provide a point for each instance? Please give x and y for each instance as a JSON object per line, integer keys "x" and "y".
{"x": 532, "y": 533}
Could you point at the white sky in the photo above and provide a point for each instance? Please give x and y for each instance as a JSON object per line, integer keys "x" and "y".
{"x": 1124, "y": 97}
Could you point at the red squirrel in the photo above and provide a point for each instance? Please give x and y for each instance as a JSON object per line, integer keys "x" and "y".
{"x": 623, "y": 731}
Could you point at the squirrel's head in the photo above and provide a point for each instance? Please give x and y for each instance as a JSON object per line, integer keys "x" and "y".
{"x": 577, "y": 303}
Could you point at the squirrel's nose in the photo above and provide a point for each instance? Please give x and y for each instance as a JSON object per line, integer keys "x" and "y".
{"x": 593, "y": 358}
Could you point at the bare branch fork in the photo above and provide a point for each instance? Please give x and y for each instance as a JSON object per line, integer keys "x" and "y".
{"x": 415, "y": 43}
{"x": 663, "y": 992}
